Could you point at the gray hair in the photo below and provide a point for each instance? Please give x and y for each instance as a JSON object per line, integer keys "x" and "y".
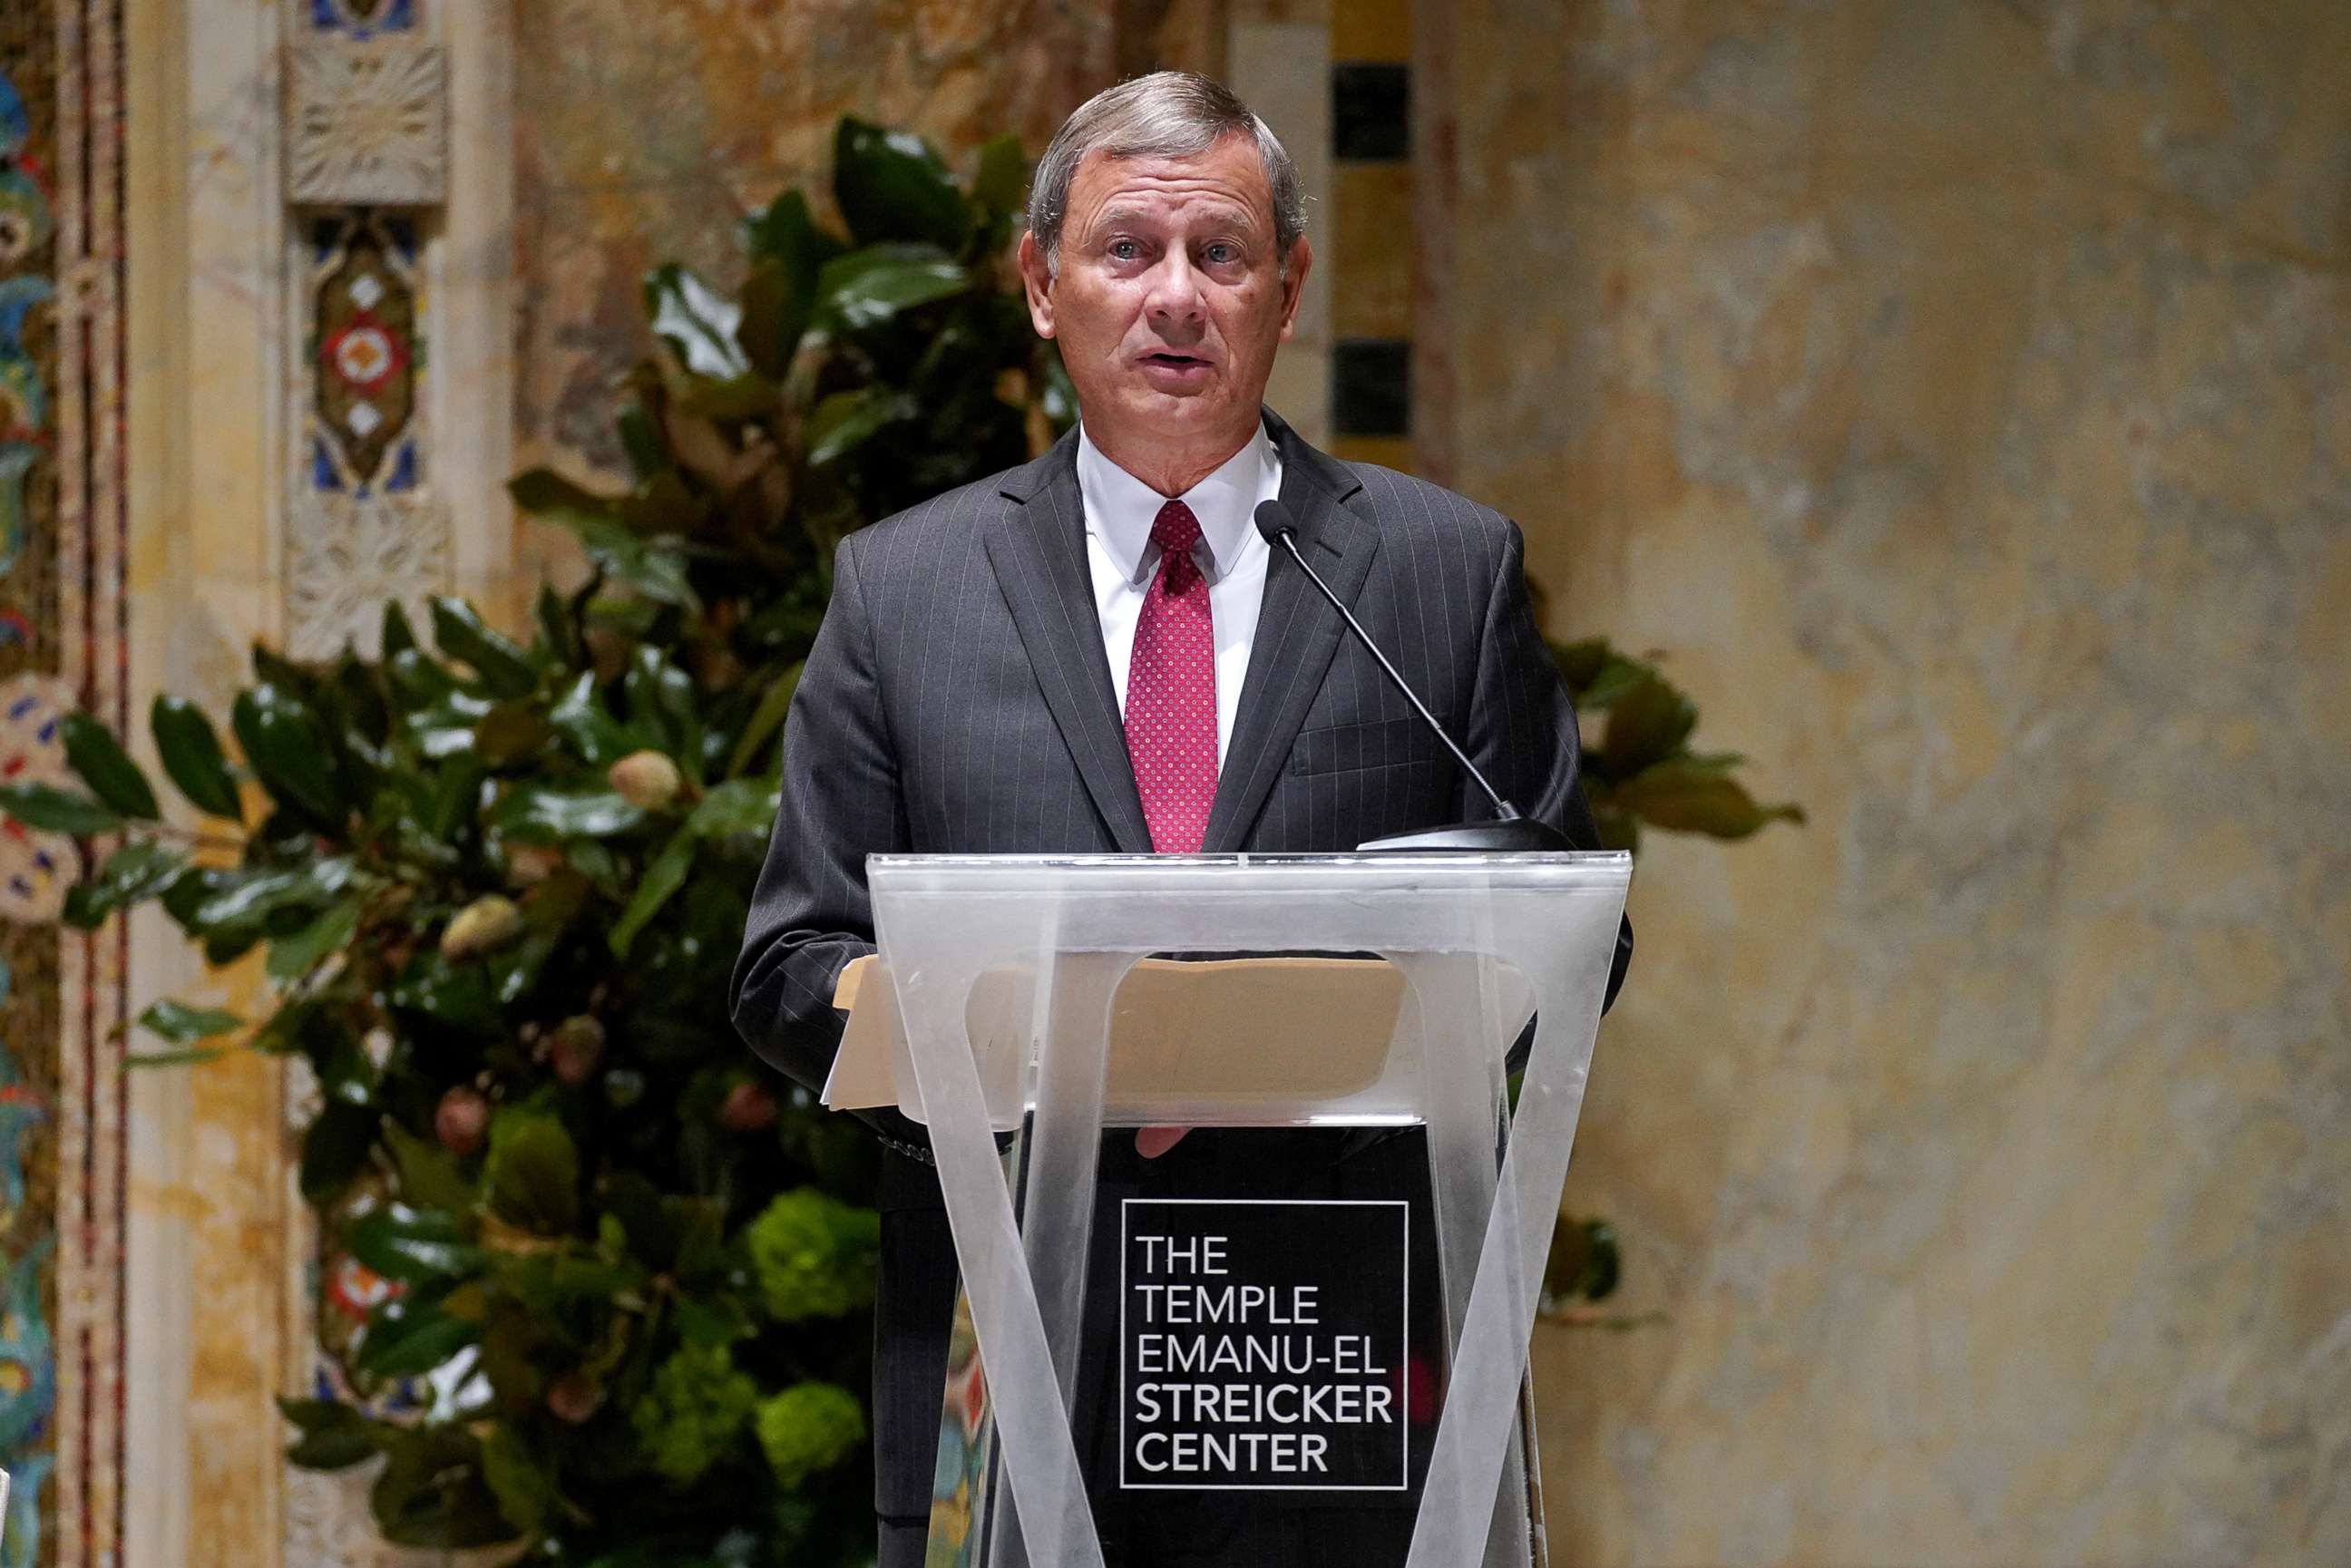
{"x": 1167, "y": 114}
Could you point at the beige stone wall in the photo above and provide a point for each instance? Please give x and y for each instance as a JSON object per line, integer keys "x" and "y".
{"x": 644, "y": 129}
{"x": 1962, "y": 394}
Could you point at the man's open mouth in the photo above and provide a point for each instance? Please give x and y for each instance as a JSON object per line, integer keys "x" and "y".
{"x": 1171, "y": 358}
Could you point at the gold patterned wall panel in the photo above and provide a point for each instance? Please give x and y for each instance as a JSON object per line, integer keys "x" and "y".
{"x": 61, "y": 645}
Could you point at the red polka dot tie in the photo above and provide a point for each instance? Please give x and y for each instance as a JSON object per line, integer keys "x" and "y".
{"x": 1171, "y": 692}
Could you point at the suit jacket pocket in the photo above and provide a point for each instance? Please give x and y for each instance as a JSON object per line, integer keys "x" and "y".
{"x": 1371, "y": 743}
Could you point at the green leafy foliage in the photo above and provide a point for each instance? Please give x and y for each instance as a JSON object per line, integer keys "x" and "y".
{"x": 697, "y": 1407}
{"x": 809, "y": 1428}
{"x": 1641, "y": 771}
{"x": 812, "y": 1256}
{"x": 563, "y": 1170}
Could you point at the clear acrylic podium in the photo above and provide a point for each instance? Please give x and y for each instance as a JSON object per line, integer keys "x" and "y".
{"x": 1480, "y": 941}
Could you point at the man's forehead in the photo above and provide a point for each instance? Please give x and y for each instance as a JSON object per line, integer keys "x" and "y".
{"x": 1229, "y": 175}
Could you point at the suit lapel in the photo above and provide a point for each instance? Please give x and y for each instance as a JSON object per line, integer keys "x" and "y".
{"x": 1037, "y": 550}
{"x": 1297, "y": 633}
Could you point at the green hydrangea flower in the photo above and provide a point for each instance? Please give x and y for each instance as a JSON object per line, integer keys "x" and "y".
{"x": 809, "y": 1428}
{"x": 694, "y": 1410}
{"x": 814, "y": 1255}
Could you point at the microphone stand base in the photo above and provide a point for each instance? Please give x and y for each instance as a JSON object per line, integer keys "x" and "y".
{"x": 1521, "y": 835}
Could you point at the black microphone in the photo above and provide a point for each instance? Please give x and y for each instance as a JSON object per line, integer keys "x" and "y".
{"x": 1509, "y": 832}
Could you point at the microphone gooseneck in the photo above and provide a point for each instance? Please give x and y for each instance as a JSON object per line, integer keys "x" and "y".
{"x": 1510, "y": 831}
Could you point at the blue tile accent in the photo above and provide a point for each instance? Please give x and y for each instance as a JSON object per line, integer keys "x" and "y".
{"x": 336, "y": 17}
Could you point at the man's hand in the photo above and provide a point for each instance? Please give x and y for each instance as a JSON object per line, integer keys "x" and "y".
{"x": 1153, "y": 1142}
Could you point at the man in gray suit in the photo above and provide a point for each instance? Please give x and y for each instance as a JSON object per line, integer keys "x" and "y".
{"x": 1098, "y": 652}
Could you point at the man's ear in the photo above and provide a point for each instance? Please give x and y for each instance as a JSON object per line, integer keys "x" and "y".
{"x": 1036, "y": 282}
{"x": 1293, "y": 283}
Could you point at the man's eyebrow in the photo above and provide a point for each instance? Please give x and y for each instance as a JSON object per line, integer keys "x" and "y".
{"x": 1239, "y": 217}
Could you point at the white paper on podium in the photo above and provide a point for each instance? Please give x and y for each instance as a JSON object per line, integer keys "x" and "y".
{"x": 1230, "y": 1028}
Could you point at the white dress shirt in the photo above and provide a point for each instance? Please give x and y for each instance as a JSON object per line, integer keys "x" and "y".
{"x": 1232, "y": 556}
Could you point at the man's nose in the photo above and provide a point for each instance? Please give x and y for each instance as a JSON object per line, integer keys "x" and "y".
{"x": 1173, "y": 300}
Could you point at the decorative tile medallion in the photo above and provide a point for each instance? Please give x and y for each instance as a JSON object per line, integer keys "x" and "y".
{"x": 367, "y": 120}
{"x": 364, "y": 349}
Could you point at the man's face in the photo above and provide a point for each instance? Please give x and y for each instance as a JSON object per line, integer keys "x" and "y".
{"x": 1170, "y": 298}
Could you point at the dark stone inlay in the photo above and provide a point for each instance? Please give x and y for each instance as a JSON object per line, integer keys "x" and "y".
{"x": 1371, "y": 112}
{"x": 1371, "y": 386}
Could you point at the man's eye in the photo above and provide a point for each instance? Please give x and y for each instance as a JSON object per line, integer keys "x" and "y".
{"x": 1124, "y": 250}
{"x": 1219, "y": 254}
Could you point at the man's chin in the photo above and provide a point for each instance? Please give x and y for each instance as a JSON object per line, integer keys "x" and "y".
{"x": 1185, "y": 402}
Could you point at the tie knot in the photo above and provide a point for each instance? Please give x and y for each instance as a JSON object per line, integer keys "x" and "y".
{"x": 1176, "y": 530}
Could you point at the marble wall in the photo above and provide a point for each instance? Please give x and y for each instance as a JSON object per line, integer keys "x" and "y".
{"x": 1961, "y": 393}
{"x": 643, "y": 130}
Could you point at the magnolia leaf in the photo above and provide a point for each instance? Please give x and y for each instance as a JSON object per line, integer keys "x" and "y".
{"x": 191, "y": 752}
{"x": 869, "y": 288}
{"x": 461, "y": 633}
{"x": 786, "y": 231}
{"x": 396, "y": 635}
{"x": 430, "y": 1176}
{"x": 697, "y": 321}
{"x": 845, "y": 421}
{"x": 525, "y": 1487}
{"x": 56, "y": 811}
{"x": 663, "y": 503}
{"x": 545, "y": 813}
{"x": 1583, "y": 1263}
{"x": 415, "y": 1245}
{"x": 408, "y": 1338}
{"x": 654, "y": 569}
{"x": 102, "y": 763}
{"x": 455, "y": 789}
{"x": 1684, "y": 799}
{"x": 292, "y": 958}
{"x": 246, "y": 898}
{"x": 180, "y": 1023}
{"x": 286, "y": 746}
{"x": 1003, "y": 176}
{"x": 661, "y": 711}
{"x": 423, "y": 683}
{"x": 141, "y": 869}
{"x": 738, "y": 806}
{"x": 889, "y": 185}
{"x": 559, "y": 632}
{"x": 185, "y": 1057}
{"x": 334, "y": 1148}
{"x": 510, "y": 732}
{"x": 1647, "y": 724}
{"x": 533, "y": 1172}
{"x": 663, "y": 878}
{"x": 1596, "y": 675}
{"x": 788, "y": 251}
{"x": 543, "y": 490}
{"x": 580, "y": 717}
{"x": 334, "y": 1436}
{"x": 706, "y": 398}
{"x": 431, "y": 1492}
{"x": 455, "y": 993}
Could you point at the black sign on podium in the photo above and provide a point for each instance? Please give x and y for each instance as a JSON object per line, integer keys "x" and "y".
{"x": 1261, "y": 1344}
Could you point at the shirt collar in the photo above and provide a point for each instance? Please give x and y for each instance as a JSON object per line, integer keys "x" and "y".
{"x": 1120, "y": 508}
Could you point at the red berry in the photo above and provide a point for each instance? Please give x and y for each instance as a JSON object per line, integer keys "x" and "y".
{"x": 749, "y": 1109}
{"x": 462, "y": 1119}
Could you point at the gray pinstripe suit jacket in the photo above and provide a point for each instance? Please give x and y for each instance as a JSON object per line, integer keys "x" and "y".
{"x": 958, "y": 700}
